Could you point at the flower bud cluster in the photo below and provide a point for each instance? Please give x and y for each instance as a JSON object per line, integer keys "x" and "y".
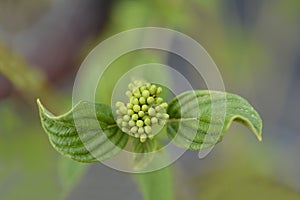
{"x": 144, "y": 110}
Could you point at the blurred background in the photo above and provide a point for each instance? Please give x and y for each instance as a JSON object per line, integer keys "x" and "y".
{"x": 254, "y": 43}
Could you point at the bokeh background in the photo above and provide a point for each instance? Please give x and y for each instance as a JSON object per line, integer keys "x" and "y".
{"x": 255, "y": 44}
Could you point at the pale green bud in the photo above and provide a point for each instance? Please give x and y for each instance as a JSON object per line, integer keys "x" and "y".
{"x": 150, "y": 100}
{"x": 130, "y": 112}
{"x": 152, "y": 89}
{"x": 119, "y": 104}
{"x": 136, "y": 135}
{"x": 131, "y": 99}
{"x": 137, "y": 94}
{"x": 142, "y": 89}
{"x": 159, "y": 115}
{"x": 145, "y": 108}
{"x": 129, "y": 105}
{"x": 126, "y": 118}
{"x": 139, "y": 123}
{"x": 135, "y": 117}
{"x": 136, "y": 108}
{"x": 119, "y": 112}
{"x": 124, "y": 124}
{"x": 165, "y": 116}
{"x": 143, "y": 137}
{"x": 142, "y": 100}
{"x": 131, "y": 123}
{"x": 134, "y": 129}
{"x": 147, "y": 121}
{"x": 150, "y": 136}
{"x": 154, "y": 120}
{"x": 123, "y": 110}
{"x": 151, "y": 111}
{"x": 131, "y": 86}
{"x": 159, "y": 100}
{"x": 128, "y": 93}
{"x": 135, "y": 101}
{"x": 119, "y": 121}
{"x": 141, "y": 130}
{"x": 141, "y": 113}
{"x": 137, "y": 83}
{"x": 148, "y": 129}
{"x": 159, "y": 90}
{"x": 164, "y": 105}
{"x": 158, "y": 108}
{"x": 145, "y": 93}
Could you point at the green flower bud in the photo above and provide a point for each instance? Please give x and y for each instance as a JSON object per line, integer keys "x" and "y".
{"x": 158, "y": 108}
{"x": 152, "y": 89}
{"x": 145, "y": 117}
{"x": 145, "y": 108}
{"x": 159, "y": 100}
{"x": 134, "y": 129}
{"x": 140, "y": 123}
{"x": 124, "y": 124}
{"x": 123, "y": 110}
{"x": 119, "y": 121}
{"x": 152, "y": 111}
{"x": 131, "y": 123}
{"x": 135, "y": 117}
{"x": 131, "y": 86}
{"x": 165, "y": 116}
{"x": 143, "y": 137}
{"x": 119, "y": 112}
{"x": 142, "y": 89}
{"x": 135, "y": 101}
{"x": 126, "y": 118}
{"x": 141, "y": 113}
{"x": 128, "y": 93}
{"x": 119, "y": 104}
{"x": 131, "y": 99}
{"x": 148, "y": 85}
{"x": 136, "y": 135}
{"x": 130, "y": 112}
{"x": 136, "y": 108}
{"x": 129, "y": 105}
{"x": 148, "y": 129}
{"x": 145, "y": 93}
{"x": 137, "y": 94}
{"x": 142, "y": 100}
{"x": 150, "y": 136}
{"x": 154, "y": 120}
{"x": 164, "y": 105}
{"x": 150, "y": 100}
{"x": 159, "y": 115}
{"x": 147, "y": 121}
{"x": 137, "y": 83}
{"x": 141, "y": 130}
{"x": 158, "y": 91}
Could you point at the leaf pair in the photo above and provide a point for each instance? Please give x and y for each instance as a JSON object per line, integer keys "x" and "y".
{"x": 198, "y": 120}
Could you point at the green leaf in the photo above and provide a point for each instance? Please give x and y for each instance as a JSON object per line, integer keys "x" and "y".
{"x": 199, "y": 119}
{"x": 157, "y": 184}
{"x": 92, "y": 144}
{"x": 143, "y": 150}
